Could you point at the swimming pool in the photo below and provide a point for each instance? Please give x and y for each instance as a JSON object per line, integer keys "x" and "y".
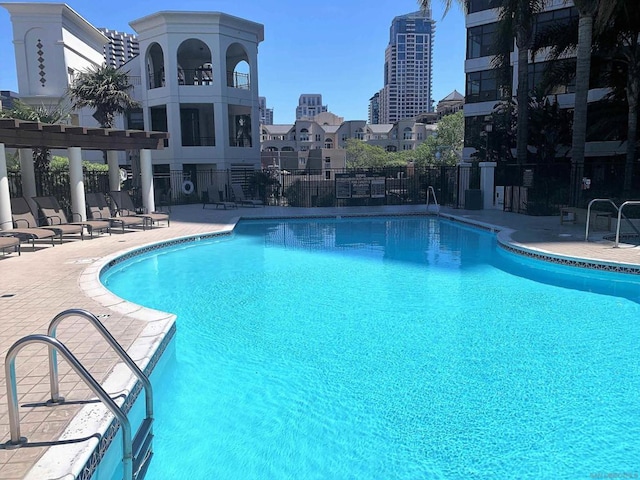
{"x": 398, "y": 347}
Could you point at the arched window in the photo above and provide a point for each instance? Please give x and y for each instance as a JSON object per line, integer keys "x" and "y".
{"x": 328, "y": 143}
{"x": 360, "y": 134}
{"x": 407, "y": 134}
{"x": 391, "y": 148}
{"x": 287, "y": 149}
{"x": 155, "y": 66}
{"x": 238, "y": 68}
{"x": 194, "y": 63}
{"x": 304, "y": 135}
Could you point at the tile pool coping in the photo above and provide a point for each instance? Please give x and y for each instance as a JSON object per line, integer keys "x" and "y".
{"x": 148, "y": 348}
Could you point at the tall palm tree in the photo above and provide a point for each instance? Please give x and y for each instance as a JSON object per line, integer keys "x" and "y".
{"x": 517, "y": 19}
{"x": 622, "y": 42}
{"x": 105, "y": 89}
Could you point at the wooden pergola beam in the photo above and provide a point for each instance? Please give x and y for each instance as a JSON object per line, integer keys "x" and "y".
{"x": 22, "y": 134}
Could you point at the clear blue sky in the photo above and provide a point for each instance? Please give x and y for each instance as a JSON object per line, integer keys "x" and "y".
{"x": 335, "y": 48}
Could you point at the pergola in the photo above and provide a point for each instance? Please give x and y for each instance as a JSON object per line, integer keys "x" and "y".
{"x": 26, "y": 136}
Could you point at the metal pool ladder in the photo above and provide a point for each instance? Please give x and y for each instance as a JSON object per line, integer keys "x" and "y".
{"x": 435, "y": 208}
{"x": 137, "y": 453}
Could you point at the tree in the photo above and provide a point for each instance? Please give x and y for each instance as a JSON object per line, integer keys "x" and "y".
{"x": 106, "y": 90}
{"x": 363, "y": 155}
{"x": 517, "y": 19}
{"x": 40, "y": 113}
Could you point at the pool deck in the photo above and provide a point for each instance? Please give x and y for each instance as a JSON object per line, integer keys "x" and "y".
{"x": 37, "y": 285}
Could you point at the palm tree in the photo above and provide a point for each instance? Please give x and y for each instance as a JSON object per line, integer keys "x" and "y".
{"x": 517, "y": 19}
{"x": 622, "y": 42}
{"x": 105, "y": 89}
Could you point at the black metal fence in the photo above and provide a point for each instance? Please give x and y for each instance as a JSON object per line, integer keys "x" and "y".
{"x": 313, "y": 188}
{"x": 543, "y": 189}
{"x": 295, "y": 188}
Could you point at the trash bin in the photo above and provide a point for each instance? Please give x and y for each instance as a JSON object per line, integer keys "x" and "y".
{"x": 473, "y": 199}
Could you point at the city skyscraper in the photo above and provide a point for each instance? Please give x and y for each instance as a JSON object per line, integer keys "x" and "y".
{"x": 309, "y": 105}
{"x": 266, "y": 114}
{"x": 407, "y": 68}
{"x": 121, "y": 48}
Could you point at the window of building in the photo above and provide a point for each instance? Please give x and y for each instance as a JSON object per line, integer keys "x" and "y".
{"x": 554, "y": 19}
{"x": 318, "y": 137}
{"x": 483, "y": 87}
{"x": 480, "y": 5}
{"x": 481, "y": 41}
{"x": 327, "y": 175}
{"x": 537, "y": 72}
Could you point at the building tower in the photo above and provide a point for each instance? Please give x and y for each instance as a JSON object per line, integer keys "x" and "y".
{"x": 266, "y": 114}
{"x": 407, "y": 67}
{"x": 121, "y": 48}
{"x": 309, "y": 105}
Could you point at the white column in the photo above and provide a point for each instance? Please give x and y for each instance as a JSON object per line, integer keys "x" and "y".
{"x": 6, "y": 223}
{"x": 114, "y": 170}
{"x": 487, "y": 180}
{"x": 76, "y": 181}
{"x": 146, "y": 170}
{"x": 28, "y": 177}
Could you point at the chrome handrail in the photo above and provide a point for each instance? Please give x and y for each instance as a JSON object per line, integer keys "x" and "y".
{"x": 433, "y": 192}
{"x": 628, "y": 202}
{"x": 12, "y": 395}
{"x": 586, "y": 228}
{"x": 53, "y": 364}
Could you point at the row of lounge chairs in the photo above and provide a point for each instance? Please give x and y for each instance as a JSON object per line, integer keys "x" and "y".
{"x": 55, "y": 224}
{"x": 239, "y": 199}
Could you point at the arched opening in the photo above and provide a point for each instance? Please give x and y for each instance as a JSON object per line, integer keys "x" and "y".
{"x": 328, "y": 143}
{"x": 407, "y": 135}
{"x": 287, "y": 149}
{"x": 194, "y": 63}
{"x": 360, "y": 134}
{"x": 238, "y": 68}
{"x": 155, "y": 66}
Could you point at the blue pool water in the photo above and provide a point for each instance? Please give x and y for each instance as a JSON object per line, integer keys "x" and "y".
{"x": 387, "y": 348}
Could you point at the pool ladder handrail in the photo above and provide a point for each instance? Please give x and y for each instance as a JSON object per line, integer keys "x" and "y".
{"x": 620, "y": 216}
{"x": 136, "y": 453}
{"x": 431, "y": 191}
{"x": 628, "y": 202}
{"x": 595, "y": 200}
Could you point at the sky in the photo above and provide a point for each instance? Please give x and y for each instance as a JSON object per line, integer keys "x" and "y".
{"x": 334, "y": 48}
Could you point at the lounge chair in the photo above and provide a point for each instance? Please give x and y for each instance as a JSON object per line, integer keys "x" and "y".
{"x": 55, "y": 216}
{"x": 98, "y": 209}
{"x": 126, "y": 208}
{"x": 215, "y": 198}
{"x": 7, "y": 242}
{"x": 25, "y": 224}
{"x": 239, "y": 197}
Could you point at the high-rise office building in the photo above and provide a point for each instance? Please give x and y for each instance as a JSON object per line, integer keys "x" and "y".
{"x": 309, "y": 105}
{"x": 266, "y": 114}
{"x": 121, "y": 48}
{"x": 407, "y": 68}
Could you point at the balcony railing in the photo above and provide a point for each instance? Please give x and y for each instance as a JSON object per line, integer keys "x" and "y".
{"x": 199, "y": 76}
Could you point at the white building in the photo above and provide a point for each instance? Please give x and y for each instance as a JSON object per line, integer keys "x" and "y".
{"x": 407, "y": 69}
{"x": 196, "y": 78}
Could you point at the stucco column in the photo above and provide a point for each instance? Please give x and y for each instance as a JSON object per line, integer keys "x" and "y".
{"x": 28, "y": 177}
{"x": 6, "y": 223}
{"x": 114, "y": 171}
{"x": 487, "y": 180}
{"x": 146, "y": 171}
{"x": 76, "y": 181}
